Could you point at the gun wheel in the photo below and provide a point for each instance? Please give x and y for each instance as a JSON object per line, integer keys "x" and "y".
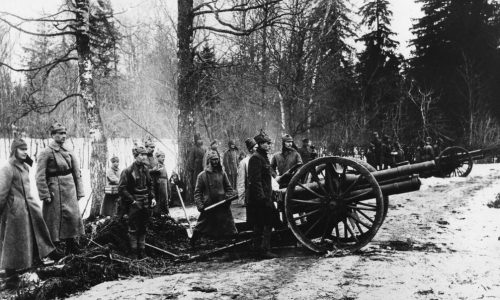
{"x": 334, "y": 203}
{"x": 455, "y": 162}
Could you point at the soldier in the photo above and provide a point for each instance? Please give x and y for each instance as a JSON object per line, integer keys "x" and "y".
{"x": 110, "y": 202}
{"x": 428, "y": 151}
{"x": 386, "y": 152}
{"x": 212, "y": 186}
{"x": 177, "y": 187}
{"x": 150, "y": 148}
{"x": 24, "y": 234}
{"x": 306, "y": 151}
{"x": 195, "y": 161}
{"x": 213, "y": 148}
{"x": 378, "y": 154}
{"x": 230, "y": 162}
{"x": 242, "y": 185}
{"x": 161, "y": 184}
{"x": 260, "y": 209}
{"x": 285, "y": 159}
{"x": 60, "y": 186}
{"x": 136, "y": 190}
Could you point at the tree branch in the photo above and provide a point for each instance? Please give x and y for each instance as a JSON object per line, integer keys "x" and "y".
{"x": 37, "y": 33}
{"x": 63, "y": 58}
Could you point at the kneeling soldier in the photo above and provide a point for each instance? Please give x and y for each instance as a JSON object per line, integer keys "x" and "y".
{"x": 136, "y": 190}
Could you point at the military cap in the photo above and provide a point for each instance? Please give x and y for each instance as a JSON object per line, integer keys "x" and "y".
{"x": 262, "y": 138}
{"x": 57, "y": 127}
{"x": 136, "y": 150}
{"x": 149, "y": 143}
{"x": 287, "y": 138}
{"x": 212, "y": 155}
{"x": 17, "y": 143}
{"x": 159, "y": 153}
{"x": 250, "y": 143}
{"x": 114, "y": 158}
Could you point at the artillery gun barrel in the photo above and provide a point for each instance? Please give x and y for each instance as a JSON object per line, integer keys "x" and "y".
{"x": 395, "y": 186}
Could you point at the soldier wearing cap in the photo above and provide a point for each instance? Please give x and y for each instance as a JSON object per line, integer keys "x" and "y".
{"x": 110, "y": 202}
{"x": 212, "y": 186}
{"x": 230, "y": 162}
{"x": 161, "y": 184}
{"x": 24, "y": 234}
{"x": 60, "y": 186}
{"x": 136, "y": 190}
{"x": 261, "y": 212}
{"x": 150, "y": 148}
{"x": 214, "y": 145}
{"x": 285, "y": 159}
{"x": 195, "y": 162}
{"x": 242, "y": 183}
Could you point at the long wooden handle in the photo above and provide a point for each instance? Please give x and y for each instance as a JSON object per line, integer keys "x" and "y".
{"x": 221, "y": 202}
{"x": 183, "y": 207}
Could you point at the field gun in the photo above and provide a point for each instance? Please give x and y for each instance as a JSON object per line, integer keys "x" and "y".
{"x": 457, "y": 161}
{"x": 335, "y": 203}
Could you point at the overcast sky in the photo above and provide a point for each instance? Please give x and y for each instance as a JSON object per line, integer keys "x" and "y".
{"x": 404, "y": 11}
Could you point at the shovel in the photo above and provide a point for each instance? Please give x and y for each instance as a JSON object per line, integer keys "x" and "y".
{"x": 189, "y": 230}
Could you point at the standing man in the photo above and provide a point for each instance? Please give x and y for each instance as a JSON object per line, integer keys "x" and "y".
{"x": 161, "y": 184}
{"x": 110, "y": 202}
{"x": 60, "y": 186}
{"x": 305, "y": 151}
{"x": 230, "y": 162}
{"x": 260, "y": 209}
{"x": 242, "y": 183}
{"x": 24, "y": 234}
{"x": 286, "y": 159}
{"x": 150, "y": 148}
{"x": 213, "y": 186}
{"x": 136, "y": 190}
{"x": 195, "y": 162}
{"x": 378, "y": 154}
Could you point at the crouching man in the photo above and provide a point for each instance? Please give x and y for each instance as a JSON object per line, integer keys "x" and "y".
{"x": 212, "y": 186}
{"x": 136, "y": 190}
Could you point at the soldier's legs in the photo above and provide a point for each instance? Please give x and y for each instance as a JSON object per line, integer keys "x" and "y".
{"x": 142, "y": 223}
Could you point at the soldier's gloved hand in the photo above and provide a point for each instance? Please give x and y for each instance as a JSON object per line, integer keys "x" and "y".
{"x": 153, "y": 203}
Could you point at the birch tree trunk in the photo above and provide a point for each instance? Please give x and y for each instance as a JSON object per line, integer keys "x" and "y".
{"x": 99, "y": 150}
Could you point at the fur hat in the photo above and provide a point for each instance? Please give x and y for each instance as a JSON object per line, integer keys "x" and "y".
{"x": 57, "y": 127}
{"x": 17, "y": 143}
{"x": 250, "y": 143}
{"x": 149, "y": 143}
{"x": 212, "y": 155}
{"x": 231, "y": 142}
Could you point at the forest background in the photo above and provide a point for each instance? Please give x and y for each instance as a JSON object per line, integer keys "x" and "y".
{"x": 228, "y": 68}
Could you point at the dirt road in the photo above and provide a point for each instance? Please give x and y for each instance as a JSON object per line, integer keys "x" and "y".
{"x": 438, "y": 243}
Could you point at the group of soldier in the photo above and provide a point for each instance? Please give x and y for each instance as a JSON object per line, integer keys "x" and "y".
{"x": 383, "y": 153}
{"x": 30, "y": 234}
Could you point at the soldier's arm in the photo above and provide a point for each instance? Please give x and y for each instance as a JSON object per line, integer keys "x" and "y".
{"x": 77, "y": 176}
{"x": 198, "y": 192}
{"x": 299, "y": 159}
{"x": 41, "y": 175}
{"x": 274, "y": 166}
{"x": 112, "y": 177}
{"x": 127, "y": 197}
{"x": 6, "y": 175}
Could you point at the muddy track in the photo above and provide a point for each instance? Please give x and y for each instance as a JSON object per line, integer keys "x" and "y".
{"x": 437, "y": 243}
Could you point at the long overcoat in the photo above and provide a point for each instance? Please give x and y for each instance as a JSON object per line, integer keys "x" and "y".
{"x": 213, "y": 186}
{"x": 23, "y": 232}
{"x": 58, "y": 177}
{"x": 260, "y": 209}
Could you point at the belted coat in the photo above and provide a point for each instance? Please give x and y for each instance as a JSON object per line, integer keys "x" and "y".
{"x": 58, "y": 177}
{"x": 23, "y": 232}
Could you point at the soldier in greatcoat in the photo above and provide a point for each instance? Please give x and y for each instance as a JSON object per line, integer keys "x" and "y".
{"x": 137, "y": 194}
{"x": 287, "y": 158}
{"x": 60, "y": 186}
{"x": 24, "y": 237}
{"x": 110, "y": 202}
{"x": 161, "y": 184}
{"x": 230, "y": 162}
{"x": 212, "y": 186}
{"x": 261, "y": 213}
{"x": 195, "y": 161}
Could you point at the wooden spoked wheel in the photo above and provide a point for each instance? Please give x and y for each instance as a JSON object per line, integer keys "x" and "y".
{"x": 455, "y": 162}
{"x": 334, "y": 203}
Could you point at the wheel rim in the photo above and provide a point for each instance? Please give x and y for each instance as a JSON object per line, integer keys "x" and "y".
{"x": 455, "y": 162}
{"x": 334, "y": 203}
